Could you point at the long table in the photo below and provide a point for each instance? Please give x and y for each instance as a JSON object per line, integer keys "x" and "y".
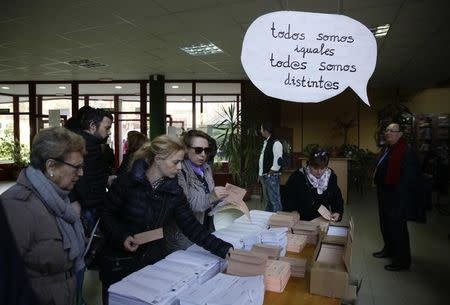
{"x": 297, "y": 289}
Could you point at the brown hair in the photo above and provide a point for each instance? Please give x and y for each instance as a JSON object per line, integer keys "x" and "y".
{"x": 193, "y": 133}
{"x": 54, "y": 143}
{"x": 163, "y": 146}
{"x": 135, "y": 140}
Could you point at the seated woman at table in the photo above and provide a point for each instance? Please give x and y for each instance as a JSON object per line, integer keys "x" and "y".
{"x": 314, "y": 185}
{"x": 146, "y": 198}
{"x": 46, "y": 227}
{"x": 196, "y": 180}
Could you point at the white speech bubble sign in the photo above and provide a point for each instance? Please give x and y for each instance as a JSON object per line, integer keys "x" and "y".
{"x": 308, "y": 57}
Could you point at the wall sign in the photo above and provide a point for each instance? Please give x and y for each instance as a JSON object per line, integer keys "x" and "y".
{"x": 308, "y": 57}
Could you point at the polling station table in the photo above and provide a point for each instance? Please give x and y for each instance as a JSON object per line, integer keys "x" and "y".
{"x": 297, "y": 289}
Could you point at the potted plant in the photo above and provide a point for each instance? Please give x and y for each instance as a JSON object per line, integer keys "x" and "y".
{"x": 12, "y": 149}
{"x": 240, "y": 148}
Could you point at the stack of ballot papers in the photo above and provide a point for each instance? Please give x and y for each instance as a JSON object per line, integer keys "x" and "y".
{"x": 206, "y": 265}
{"x": 246, "y": 263}
{"x": 224, "y": 289}
{"x": 277, "y": 275}
{"x": 240, "y": 235}
{"x": 257, "y": 217}
{"x": 298, "y": 265}
{"x": 270, "y": 251}
{"x": 295, "y": 215}
{"x": 295, "y": 242}
{"x": 198, "y": 249}
{"x": 276, "y": 237}
{"x": 279, "y": 220}
{"x": 308, "y": 229}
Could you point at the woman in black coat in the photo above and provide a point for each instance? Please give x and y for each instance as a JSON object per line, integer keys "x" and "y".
{"x": 147, "y": 198}
{"x": 312, "y": 186}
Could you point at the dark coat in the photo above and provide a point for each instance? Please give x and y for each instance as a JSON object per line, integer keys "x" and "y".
{"x": 90, "y": 189}
{"x": 40, "y": 244}
{"x": 299, "y": 195}
{"x": 408, "y": 194}
{"x": 133, "y": 206}
{"x": 15, "y": 287}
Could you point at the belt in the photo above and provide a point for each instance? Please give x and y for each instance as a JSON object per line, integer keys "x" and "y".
{"x": 57, "y": 277}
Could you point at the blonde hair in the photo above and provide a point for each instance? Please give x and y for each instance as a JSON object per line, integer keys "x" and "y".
{"x": 162, "y": 146}
{"x": 54, "y": 143}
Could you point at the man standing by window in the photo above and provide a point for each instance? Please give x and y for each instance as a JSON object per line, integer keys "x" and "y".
{"x": 269, "y": 168}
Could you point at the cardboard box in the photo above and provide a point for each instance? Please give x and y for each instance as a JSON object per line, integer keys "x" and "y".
{"x": 330, "y": 268}
{"x": 337, "y": 233}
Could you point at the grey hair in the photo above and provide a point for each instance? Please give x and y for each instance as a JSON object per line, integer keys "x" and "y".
{"x": 54, "y": 143}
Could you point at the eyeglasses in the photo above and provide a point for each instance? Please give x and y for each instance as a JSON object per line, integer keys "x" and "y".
{"x": 391, "y": 131}
{"x": 76, "y": 167}
{"x": 199, "y": 150}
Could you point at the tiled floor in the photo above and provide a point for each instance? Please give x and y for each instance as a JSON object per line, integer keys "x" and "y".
{"x": 427, "y": 283}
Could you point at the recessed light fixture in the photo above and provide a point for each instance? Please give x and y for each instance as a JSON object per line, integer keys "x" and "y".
{"x": 175, "y": 86}
{"x": 62, "y": 87}
{"x": 118, "y": 87}
{"x": 380, "y": 31}
{"x": 202, "y": 49}
{"x": 5, "y": 88}
{"x": 183, "y": 99}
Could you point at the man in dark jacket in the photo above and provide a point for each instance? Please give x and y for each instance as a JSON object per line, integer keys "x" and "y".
{"x": 90, "y": 189}
{"x": 397, "y": 179}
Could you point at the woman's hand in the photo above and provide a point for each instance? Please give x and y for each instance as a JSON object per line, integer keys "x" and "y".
{"x": 335, "y": 217}
{"x": 130, "y": 245}
{"x": 220, "y": 192}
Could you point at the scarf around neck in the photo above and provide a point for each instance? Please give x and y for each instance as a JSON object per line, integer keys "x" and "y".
{"x": 321, "y": 184}
{"x": 199, "y": 170}
{"x": 397, "y": 155}
{"x": 57, "y": 202}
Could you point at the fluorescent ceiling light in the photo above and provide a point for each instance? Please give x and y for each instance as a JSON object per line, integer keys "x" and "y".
{"x": 118, "y": 87}
{"x": 380, "y": 31}
{"x": 202, "y": 49}
{"x": 62, "y": 87}
{"x": 5, "y": 88}
{"x": 175, "y": 86}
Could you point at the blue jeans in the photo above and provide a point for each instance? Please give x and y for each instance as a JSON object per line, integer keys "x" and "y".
{"x": 271, "y": 192}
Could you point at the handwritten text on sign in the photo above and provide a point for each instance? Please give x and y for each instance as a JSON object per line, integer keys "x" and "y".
{"x": 308, "y": 57}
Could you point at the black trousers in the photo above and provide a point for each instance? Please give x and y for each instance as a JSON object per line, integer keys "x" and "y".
{"x": 393, "y": 226}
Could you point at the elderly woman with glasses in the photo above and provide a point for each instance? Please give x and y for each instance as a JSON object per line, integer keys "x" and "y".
{"x": 196, "y": 180}
{"x": 312, "y": 186}
{"x": 46, "y": 228}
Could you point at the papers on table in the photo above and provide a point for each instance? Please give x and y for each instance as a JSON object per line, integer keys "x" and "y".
{"x": 272, "y": 251}
{"x": 259, "y": 218}
{"x": 246, "y": 263}
{"x": 308, "y": 229}
{"x": 277, "y": 275}
{"x": 160, "y": 284}
{"x": 298, "y": 265}
{"x": 295, "y": 243}
{"x": 276, "y": 237}
{"x": 240, "y": 235}
{"x": 224, "y": 289}
{"x": 281, "y": 220}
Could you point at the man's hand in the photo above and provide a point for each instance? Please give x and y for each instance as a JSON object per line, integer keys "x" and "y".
{"x": 130, "y": 245}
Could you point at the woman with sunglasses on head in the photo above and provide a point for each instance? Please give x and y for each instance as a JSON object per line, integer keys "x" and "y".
{"x": 196, "y": 180}
{"x": 148, "y": 197}
{"x": 312, "y": 186}
{"x": 47, "y": 229}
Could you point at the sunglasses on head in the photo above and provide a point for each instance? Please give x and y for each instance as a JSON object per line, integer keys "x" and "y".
{"x": 320, "y": 154}
{"x": 199, "y": 150}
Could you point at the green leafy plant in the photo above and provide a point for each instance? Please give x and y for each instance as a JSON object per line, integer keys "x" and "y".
{"x": 11, "y": 149}
{"x": 361, "y": 169}
{"x": 240, "y": 148}
{"x": 308, "y": 149}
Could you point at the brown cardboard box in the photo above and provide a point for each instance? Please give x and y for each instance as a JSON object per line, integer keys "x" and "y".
{"x": 337, "y": 232}
{"x": 330, "y": 268}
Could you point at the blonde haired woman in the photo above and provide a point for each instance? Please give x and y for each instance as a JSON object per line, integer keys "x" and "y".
{"x": 147, "y": 198}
